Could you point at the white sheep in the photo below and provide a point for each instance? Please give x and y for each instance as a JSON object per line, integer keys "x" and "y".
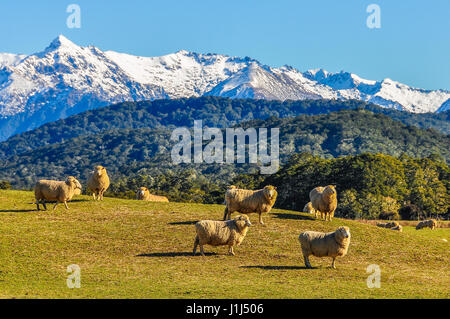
{"x": 59, "y": 191}
{"x": 248, "y": 201}
{"x": 98, "y": 182}
{"x": 220, "y": 233}
{"x": 310, "y": 210}
{"x": 334, "y": 244}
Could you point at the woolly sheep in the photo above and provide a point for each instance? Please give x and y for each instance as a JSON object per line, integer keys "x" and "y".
{"x": 310, "y": 209}
{"x": 389, "y": 225}
{"x": 98, "y": 182}
{"x": 431, "y": 223}
{"x": 334, "y": 244}
{"x": 324, "y": 200}
{"x": 248, "y": 201}
{"x": 144, "y": 194}
{"x": 59, "y": 191}
{"x": 221, "y": 233}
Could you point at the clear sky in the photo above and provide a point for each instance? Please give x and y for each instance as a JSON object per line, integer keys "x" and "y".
{"x": 412, "y": 46}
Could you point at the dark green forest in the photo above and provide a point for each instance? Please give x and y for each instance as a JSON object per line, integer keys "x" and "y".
{"x": 214, "y": 111}
{"x": 383, "y": 166}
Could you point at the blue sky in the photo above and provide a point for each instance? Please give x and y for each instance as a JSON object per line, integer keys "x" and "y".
{"x": 412, "y": 46}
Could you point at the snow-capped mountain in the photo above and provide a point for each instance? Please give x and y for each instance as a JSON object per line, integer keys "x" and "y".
{"x": 66, "y": 79}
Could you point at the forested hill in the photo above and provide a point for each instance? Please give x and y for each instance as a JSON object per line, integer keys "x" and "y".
{"x": 143, "y": 151}
{"x": 214, "y": 111}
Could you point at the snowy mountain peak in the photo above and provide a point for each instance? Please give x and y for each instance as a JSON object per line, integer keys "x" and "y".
{"x": 65, "y": 79}
{"x": 61, "y": 42}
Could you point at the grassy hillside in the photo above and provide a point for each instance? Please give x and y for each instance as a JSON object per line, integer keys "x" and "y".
{"x": 132, "y": 249}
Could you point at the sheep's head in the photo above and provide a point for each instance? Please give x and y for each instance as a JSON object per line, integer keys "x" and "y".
{"x": 330, "y": 191}
{"x": 232, "y": 187}
{"x": 270, "y": 192}
{"x": 142, "y": 191}
{"x": 72, "y": 181}
{"x": 342, "y": 233}
{"x": 99, "y": 170}
{"x": 242, "y": 221}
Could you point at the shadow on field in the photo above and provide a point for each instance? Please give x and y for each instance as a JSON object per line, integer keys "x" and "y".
{"x": 17, "y": 210}
{"x": 173, "y": 254}
{"x": 292, "y": 216}
{"x": 277, "y": 267}
{"x": 79, "y": 200}
{"x": 189, "y": 222}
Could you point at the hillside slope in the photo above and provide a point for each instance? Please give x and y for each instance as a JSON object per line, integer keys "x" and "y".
{"x": 128, "y": 152}
{"x": 214, "y": 111}
{"x": 133, "y": 249}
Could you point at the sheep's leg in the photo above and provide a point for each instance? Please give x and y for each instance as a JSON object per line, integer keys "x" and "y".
{"x": 225, "y": 213}
{"x": 55, "y": 205}
{"x": 307, "y": 264}
{"x": 230, "y": 251}
{"x": 65, "y": 204}
{"x": 93, "y": 195}
{"x": 333, "y": 264}
{"x": 196, "y": 241}
{"x": 43, "y": 203}
{"x": 37, "y": 204}
{"x": 201, "y": 250}
{"x": 101, "y": 195}
{"x": 260, "y": 219}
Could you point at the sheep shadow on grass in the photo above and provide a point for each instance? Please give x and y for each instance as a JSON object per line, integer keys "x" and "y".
{"x": 277, "y": 267}
{"x": 174, "y": 254}
{"x": 17, "y": 210}
{"x": 188, "y": 222}
{"x": 292, "y": 216}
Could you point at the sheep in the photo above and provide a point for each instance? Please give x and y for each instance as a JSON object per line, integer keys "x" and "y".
{"x": 59, "y": 191}
{"x": 144, "y": 194}
{"x": 248, "y": 201}
{"x": 334, "y": 244}
{"x": 310, "y": 209}
{"x": 398, "y": 228}
{"x": 98, "y": 182}
{"x": 324, "y": 200}
{"x": 221, "y": 233}
{"x": 431, "y": 223}
{"x": 389, "y": 225}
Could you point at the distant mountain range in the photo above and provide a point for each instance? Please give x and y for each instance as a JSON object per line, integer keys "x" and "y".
{"x": 132, "y": 139}
{"x": 67, "y": 79}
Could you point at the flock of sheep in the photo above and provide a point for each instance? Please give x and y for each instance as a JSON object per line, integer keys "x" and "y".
{"x": 230, "y": 232}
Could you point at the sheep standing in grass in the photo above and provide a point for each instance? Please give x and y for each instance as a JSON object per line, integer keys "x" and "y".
{"x": 59, "y": 191}
{"x": 221, "y": 233}
{"x": 98, "y": 182}
{"x": 144, "y": 194}
{"x": 310, "y": 209}
{"x": 324, "y": 200}
{"x": 247, "y": 201}
{"x": 432, "y": 224}
{"x": 334, "y": 244}
{"x": 389, "y": 225}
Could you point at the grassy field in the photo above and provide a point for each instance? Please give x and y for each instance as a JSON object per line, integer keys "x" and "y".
{"x": 134, "y": 249}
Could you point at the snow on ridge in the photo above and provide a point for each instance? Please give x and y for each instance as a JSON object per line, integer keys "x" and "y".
{"x": 63, "y": 76}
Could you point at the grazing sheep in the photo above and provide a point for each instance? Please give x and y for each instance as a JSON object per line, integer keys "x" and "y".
{"x": 334, "y": 244}
{"x": 59, "y": 191}
{"x": 247, "y": 201}
{"x": 98, "y": 182}
{"x": 221, "y": 233}
{"x": 324, "y": 200}
{"x": 398, "y": 227}
{"x": 310, "y": 209}
{"x": 144, "y": 194}
{"x": 431, "y": 223}
{"x": 389, "y": 225}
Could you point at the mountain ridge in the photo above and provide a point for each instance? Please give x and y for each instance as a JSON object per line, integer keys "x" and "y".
{"x": 66, "y": 79}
